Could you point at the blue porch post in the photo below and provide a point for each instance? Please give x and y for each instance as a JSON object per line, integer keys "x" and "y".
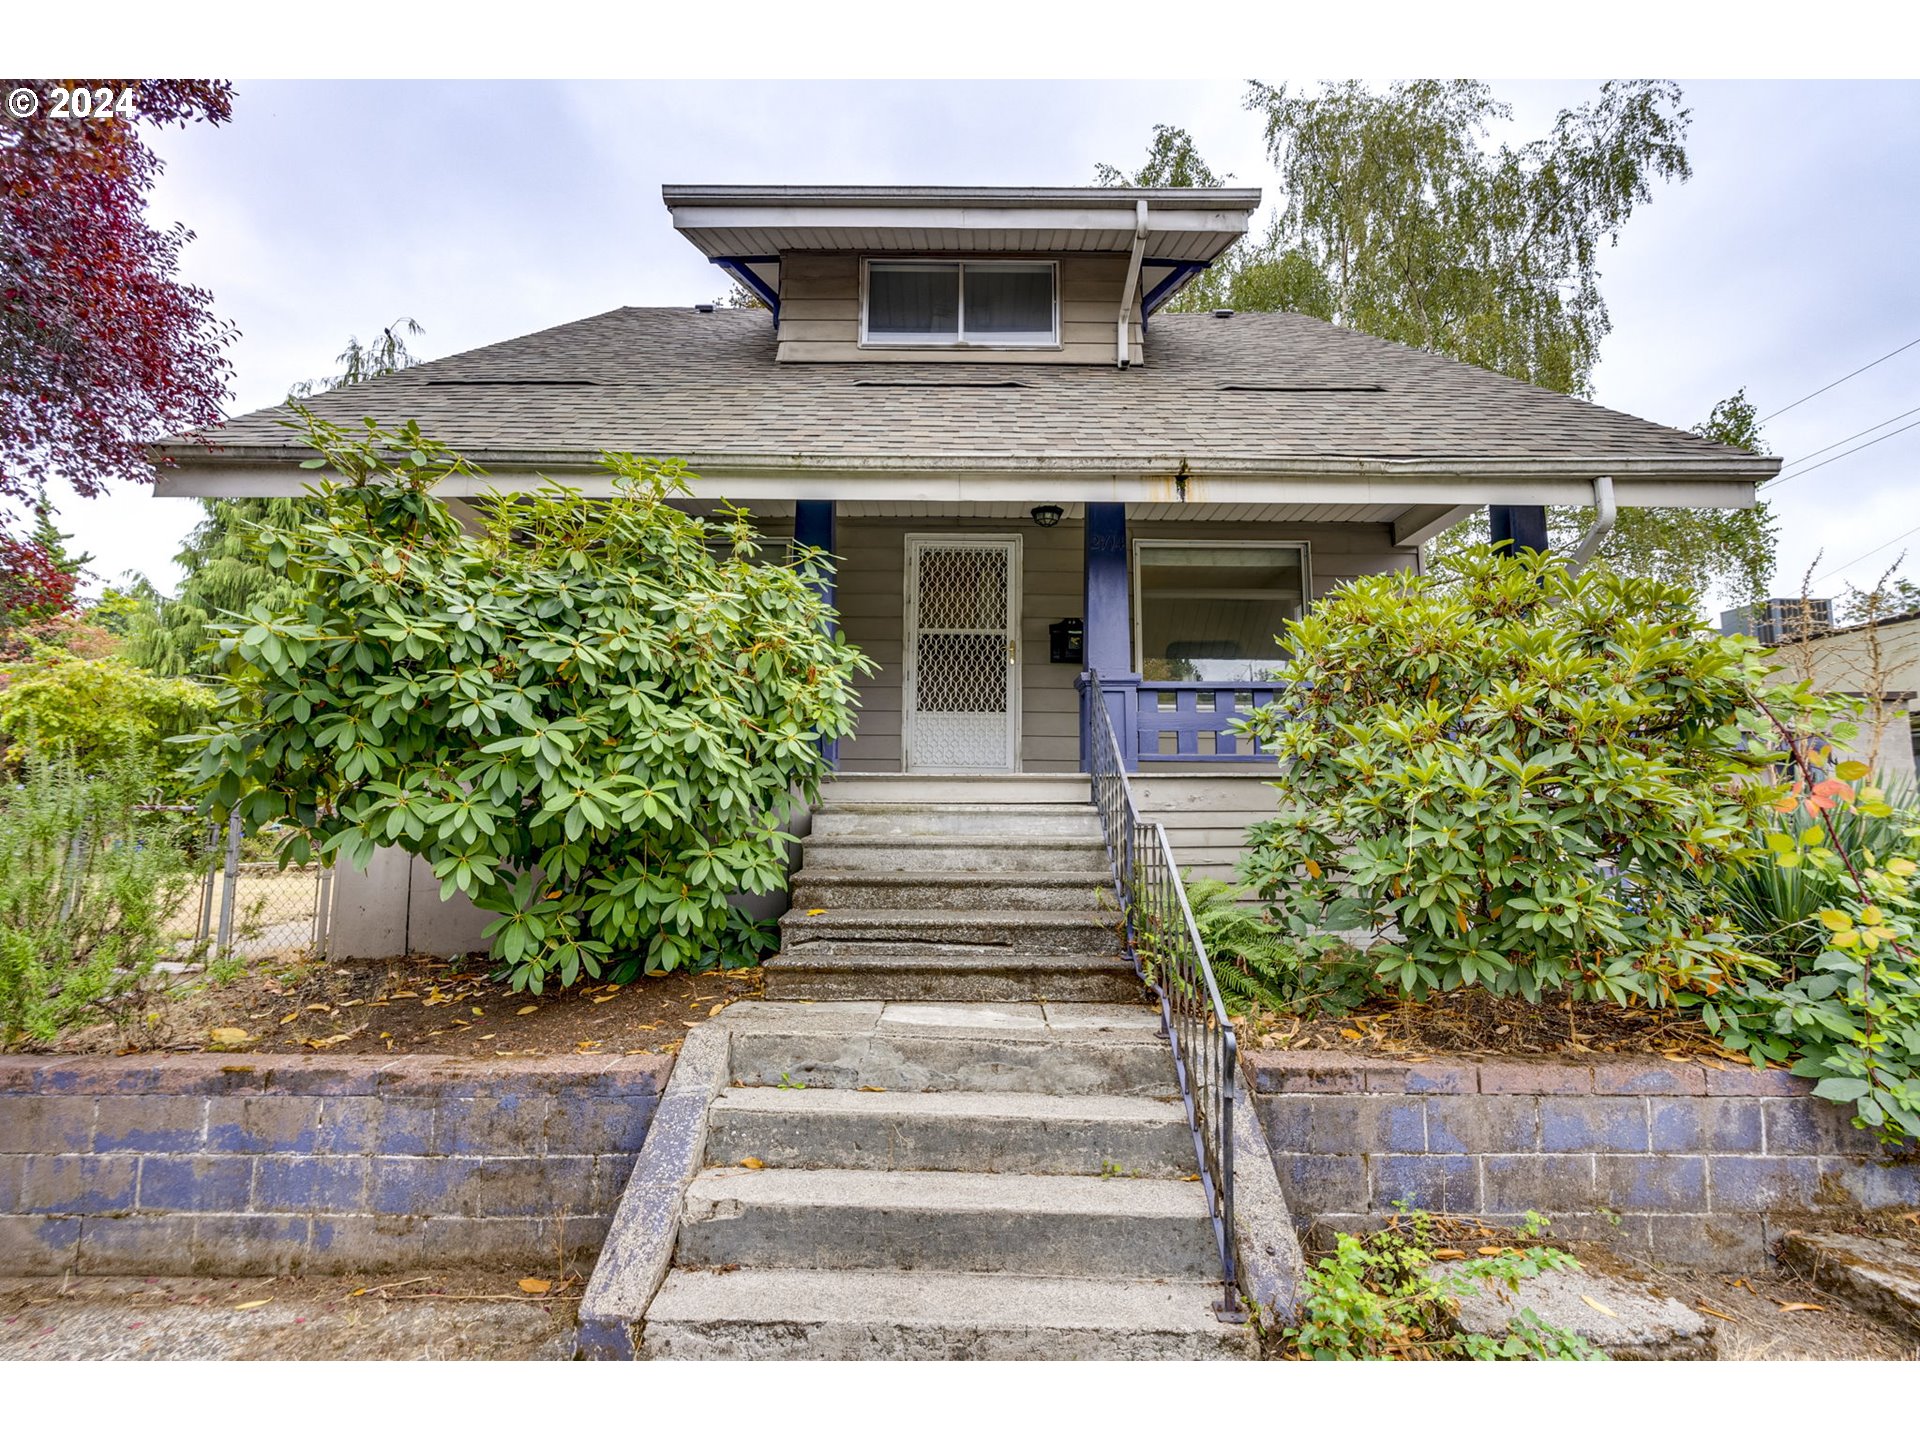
{"x": 1109, "y": 627}
{"x": 1521, "y": 527}
{"x": 813, "y": 526}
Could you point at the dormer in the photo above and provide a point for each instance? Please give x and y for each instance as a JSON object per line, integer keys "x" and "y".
{"x": 1007, "y": 275}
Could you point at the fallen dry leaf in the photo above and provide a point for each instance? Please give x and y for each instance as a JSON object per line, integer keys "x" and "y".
{"x": 716, "y": 1009}
{"x": 1706, "y": 1309}
{"x": 536, "y": 1287}
{"x": 289, "y": 1017}
{"x": 1498, "y": 1250}
{"x": 252, "y": 1304}
{"x": 816, "y": 912}
{"x": 1787, "y": 1306}
{"x": 1610, "y": 1314}
{"x": 228, "y": 1035}
{"x": 754, "y": 1162}
{"x": 526, "y": 1009}
{"x": 1449, "y": 1254}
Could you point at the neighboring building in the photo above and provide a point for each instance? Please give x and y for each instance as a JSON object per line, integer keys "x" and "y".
{"x": 1028, "y": 468}
{"x": 1776, "y": 622}
{"x": 1879, "y": 664}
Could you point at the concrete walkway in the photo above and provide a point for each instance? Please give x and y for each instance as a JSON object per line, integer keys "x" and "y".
{"x": 302, "y": 1319}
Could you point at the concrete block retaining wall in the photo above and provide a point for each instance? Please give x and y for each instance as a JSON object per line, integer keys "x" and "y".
{"x": 250, "y": 1164}
{"x": 1676, "y": 1161}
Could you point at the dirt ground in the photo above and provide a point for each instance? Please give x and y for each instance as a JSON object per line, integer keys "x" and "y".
{"x": 452, "y": 1316}
{"x": 1774, "y": 1314}
{"x": 417, "y": 1006}
{"x": 1474, "y": 1023}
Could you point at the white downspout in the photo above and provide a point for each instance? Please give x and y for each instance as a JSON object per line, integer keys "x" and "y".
{"x": 1603, "y": 517}
{"x": 1133, "y": 278}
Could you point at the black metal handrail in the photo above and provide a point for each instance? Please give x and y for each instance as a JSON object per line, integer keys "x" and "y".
{"x": 1165, "y": 946}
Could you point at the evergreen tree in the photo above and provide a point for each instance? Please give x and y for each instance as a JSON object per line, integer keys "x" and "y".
{"x": 225, "y": 574}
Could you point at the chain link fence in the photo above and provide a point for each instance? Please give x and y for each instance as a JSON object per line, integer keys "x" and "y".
{"x": 246, "y": 906}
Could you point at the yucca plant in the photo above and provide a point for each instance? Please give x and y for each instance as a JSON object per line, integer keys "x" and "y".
{"x": 1777, "y": 907}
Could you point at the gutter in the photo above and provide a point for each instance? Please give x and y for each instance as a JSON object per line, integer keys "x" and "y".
{"x": 1603, "y": 518}
{"x": 1518, "y": 469}
{"x": 1121, "y": 358}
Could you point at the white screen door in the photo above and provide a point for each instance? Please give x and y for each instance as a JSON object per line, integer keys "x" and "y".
{"x": 960, "y": 693}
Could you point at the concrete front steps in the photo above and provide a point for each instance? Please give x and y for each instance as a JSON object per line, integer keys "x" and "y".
{"x": 928, "y": 1181}
{"x": 968, "y": 888}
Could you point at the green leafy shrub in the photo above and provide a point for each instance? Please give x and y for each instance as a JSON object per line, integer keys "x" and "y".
{"x": 88, "y": 880}
{"x": 1843, "y": 1005}
{"x": 592, "y": 718}
{"x": 1518, "y": 779}
{"x": 99, "y": 709}
{"x": 1382, "y": 1296}
{"x": 1276, "y": 962}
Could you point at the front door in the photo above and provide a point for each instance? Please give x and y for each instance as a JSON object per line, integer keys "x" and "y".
{"x": 960, "y": 692}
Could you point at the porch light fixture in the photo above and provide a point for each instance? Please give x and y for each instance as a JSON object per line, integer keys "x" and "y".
{"x": 1047, "y": 516}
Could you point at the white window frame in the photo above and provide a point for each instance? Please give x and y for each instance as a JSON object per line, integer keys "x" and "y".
{"x": 1164, "y": 542}
{"x": 959, "y": 340}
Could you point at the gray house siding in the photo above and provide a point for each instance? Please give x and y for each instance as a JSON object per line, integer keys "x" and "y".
{"x": 871, "y": 598}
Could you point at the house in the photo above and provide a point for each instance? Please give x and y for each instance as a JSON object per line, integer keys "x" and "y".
{"x": 1030, "y": 469}
{"x": 1878, "y": 663}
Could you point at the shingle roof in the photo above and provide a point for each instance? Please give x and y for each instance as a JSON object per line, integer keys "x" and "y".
{"x": 1254, "y": 392}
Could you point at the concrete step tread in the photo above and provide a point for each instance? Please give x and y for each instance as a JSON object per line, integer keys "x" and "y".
{"x": 875, "y": 916}
{"x": 936, "y": 1192}
{"x": 830, "y": 806}
{"x": 955, "y": 959}
{"x": 1009, "y": 1105}
{"x": 959, "y": 879}
{"x": 946, "y": 1299}
{"x": 958, "y": 842}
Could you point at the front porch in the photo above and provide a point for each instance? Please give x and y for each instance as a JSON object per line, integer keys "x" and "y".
{"x": 985, "y": 619}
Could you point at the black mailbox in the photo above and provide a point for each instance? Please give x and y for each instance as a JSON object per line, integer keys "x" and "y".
{"x": 1067, "y": 642}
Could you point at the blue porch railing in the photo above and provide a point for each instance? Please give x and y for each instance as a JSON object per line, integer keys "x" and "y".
{"x": 1190, "y": 721}
{"x": 1172, "y": 722}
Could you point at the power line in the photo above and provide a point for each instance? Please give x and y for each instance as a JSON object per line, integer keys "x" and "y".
{"x": 1844, "y": 453}
{"x": 1802, "y": 459}
{"x": 1841, "y": 381}
{"x": 1871, "y": 553}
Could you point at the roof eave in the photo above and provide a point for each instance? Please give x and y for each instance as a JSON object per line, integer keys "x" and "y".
{"x": 1639, "y": 481}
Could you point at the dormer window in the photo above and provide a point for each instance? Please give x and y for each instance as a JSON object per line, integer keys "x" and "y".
{"x": 984, "y": 303}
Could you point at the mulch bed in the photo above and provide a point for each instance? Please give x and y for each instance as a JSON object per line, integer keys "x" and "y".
{"x": 1474, "y": 1023}
{"x": 418, "y": 1006}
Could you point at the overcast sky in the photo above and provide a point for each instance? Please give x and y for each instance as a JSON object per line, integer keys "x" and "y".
{"x": 488, "y": 210}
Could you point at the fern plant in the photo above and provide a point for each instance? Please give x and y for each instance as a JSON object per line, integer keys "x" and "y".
{"x": 1261, "y": 961}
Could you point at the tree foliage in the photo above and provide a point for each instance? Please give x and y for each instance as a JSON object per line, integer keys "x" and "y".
{"x": 224, "y": 571}
{"x": 102, "y": 349}
{"x": 1732, "y": 552}
{"x": 95, "y": 707}
{"x": 1173, "y": 163}
{"x": 591, "y": 719}
{"x": 360, "y": 362}
{"x": 1401, "y": 218}
{"x": 1519, "y": 779}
